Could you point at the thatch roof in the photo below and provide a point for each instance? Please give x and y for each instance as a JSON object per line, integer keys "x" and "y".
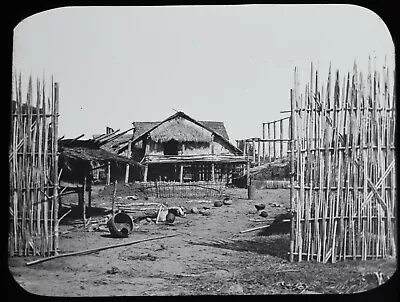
{"x": 182, "y": 115}
{"x": 116, "y": 143}
{"x": 87, "y": 151}
{"x": 181, "y": 130}
{"x": 218, "y": 127}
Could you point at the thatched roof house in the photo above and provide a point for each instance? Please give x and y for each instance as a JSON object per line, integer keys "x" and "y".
{"x": 181, "y": 142}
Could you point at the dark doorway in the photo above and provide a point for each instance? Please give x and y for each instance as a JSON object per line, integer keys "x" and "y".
{"x": 171, "y": 147}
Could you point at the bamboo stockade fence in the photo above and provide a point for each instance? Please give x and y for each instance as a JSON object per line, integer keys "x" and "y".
{"x": 194, "y": 189}
{"x": 34, "y": 178}
{"x": 272, "y": 146}
{"x": 343, "y": 192}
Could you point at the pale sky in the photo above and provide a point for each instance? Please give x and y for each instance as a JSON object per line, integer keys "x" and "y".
{"x": 117, "y": 65}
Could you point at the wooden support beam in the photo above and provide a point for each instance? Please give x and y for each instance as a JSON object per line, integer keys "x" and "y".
{"x": 281, "y": 137}
{"x": 263, "y": 142}
{"x": 108, "y": 174}
{"x": 212, "y": 144}
{"x": 254, "y": 150}
{"x": 248, "y": 174}
{"x": 274, "y": 147}
{"x": 269, "y": 143}
{"x": 212, "y": 171}
{"x": 129, "y": 151}
{"x": 146, "y": 171}
{"x": 181, "y": 173}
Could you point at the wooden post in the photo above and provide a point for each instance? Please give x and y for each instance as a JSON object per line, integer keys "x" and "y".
{"x": 292, "y": 184}
{"x": 181, "y": 174}
{"x": 274, "y": 143}
{"x": 263, "y": 136}
{"x": 127, "y": 165}
{"x": 55, "y": 166}
{"x": 212, "y": 171}
{"x": 146, "y": 171}
{"x": 248, "y": 173}
{"x": 83, "y": 202}
{"x": 269, "y": 142}
{"x": 108, "y": 174}
{"x": 127, "y": 173}
{"x": 254, "y": 150}
{"x": 244, "y": 147}
{"x": 281, "y": 137}
{"x": 212, "y": 144}
{"x": 89, "y": 184}
{"x": 259, "y": 153}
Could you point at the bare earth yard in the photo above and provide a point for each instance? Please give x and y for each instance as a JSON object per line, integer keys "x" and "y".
{"x": 208, "y": 257}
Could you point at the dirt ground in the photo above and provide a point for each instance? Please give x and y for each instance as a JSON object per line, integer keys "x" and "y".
{"x": 209, "y": 256}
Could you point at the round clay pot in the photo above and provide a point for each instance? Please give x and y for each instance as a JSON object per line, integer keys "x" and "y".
{"x": 217, "y": 204}
{"x": 170, "y": 217}
{"x": 260, "y": 206}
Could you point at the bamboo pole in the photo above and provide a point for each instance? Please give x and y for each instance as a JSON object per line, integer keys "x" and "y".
{"x": 292, "y": 171}
{"x": 263, "y": 145}
{"x": 85, "y": 252}
{"x": 269, "y": 142}
{"x": 254, "y": 150}
{"x": 274, "y": 144}
{"x": 281, "y": 138}
{"x": 55, "y": 166}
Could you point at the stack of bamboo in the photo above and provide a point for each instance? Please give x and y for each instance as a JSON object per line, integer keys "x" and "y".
{"x": 33, "y": 172}
{"x": 343, "y": 191}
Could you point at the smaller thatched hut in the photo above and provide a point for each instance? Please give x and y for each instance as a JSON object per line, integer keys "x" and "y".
{"x": 78, "y": 160}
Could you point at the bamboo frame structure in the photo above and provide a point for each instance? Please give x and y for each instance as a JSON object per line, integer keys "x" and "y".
{"x": 34, "y": 179}
{"x": 273, "y": 145}
{"x": 343, "y": 190}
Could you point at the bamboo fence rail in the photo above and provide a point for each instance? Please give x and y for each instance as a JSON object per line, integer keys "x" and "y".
{"x": 343, "y": 188}
{"x": 33, "y": 161}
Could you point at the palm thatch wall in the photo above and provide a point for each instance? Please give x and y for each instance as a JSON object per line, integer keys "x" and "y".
{"x": 181, "y": 130}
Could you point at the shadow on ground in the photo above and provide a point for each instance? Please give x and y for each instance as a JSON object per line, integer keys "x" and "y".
{"x": 277, "y": 246}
